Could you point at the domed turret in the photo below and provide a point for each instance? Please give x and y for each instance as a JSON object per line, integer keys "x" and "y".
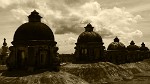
{"x": 34, "y": 46}
{"x": 89, "y": 35}
{"x": 132, "y": 46}
{"x": 89, "y": 46}
{"x": 143, "y": 48}
{"x": 116, "y": 45}
{"x": 33, "y": 30}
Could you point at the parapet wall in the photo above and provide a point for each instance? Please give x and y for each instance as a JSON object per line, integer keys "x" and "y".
{"x": 113, "y": 56}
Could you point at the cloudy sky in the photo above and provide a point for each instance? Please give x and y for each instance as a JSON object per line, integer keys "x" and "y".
{"x": 127, "y": 19}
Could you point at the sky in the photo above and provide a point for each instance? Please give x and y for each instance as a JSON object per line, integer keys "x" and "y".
{"x": 127, "y": 19}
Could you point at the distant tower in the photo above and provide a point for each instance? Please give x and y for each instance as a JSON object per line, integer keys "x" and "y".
{"x": 34, "y": 46}
{"x": 89, "y": 46}
{"x": 4, "y": 52}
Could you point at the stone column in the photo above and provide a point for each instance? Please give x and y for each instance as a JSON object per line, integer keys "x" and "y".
{"x": 31, "y": 56}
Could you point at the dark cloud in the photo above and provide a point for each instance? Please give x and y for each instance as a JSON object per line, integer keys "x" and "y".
{"x": 68, "y": 29}
{"x": 71, "y": 16}
{"x": 106, "y": 33}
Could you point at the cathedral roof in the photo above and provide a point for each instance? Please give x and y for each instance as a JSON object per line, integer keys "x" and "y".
{"x": 89, "y": 35}
{"x": 116, "y": 45}
{"x": 132, "y": 46}
{"x": 33, "y": 30}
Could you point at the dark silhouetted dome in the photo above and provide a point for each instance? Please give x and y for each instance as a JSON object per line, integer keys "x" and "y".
{"x": 89, "y": 35}
{"x": 132, "y": 46}
{"x": 33, "y": 30}
{"x": 143, "y": 48}
{"x": 116, "y": 45}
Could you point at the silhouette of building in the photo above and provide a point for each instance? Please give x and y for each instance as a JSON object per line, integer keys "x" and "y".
{"x": 144, "y": 52}
{"x": 132, "y": 47}
{"x": 4, "y": 53}
{"x": 116, "y": 45}
{"x": 116, "y": 52}
{"x": 133, "y": 52}
{"x": 143, "y": 47}
{"x": 34, "y": 46}
{"x": 89, "y": 46}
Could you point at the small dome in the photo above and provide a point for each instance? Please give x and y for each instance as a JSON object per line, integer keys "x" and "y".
{"x": 132, "y": 46}
{"x": 116, "y": 45}
{"x": 33, "y": 30}
{"x": 89, "y": 35}
{"x": 143, "y": 48}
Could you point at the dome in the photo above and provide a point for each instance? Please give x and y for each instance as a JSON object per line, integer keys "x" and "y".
{"x": 33, "y": 30}
{"x": 132, "y": 46}
{"x": 89, "y": 35}
{"x": 143, "y": 48}
{"x": 116, "y": 45}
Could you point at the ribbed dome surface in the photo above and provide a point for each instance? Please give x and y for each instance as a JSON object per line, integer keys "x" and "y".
{"x": 89, "y": 37}
{"x": 133, "y": 47}
{"x": 116, "y": 46}
{"x": 33, "y": 31}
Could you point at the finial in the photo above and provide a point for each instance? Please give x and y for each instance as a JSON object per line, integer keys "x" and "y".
{"x": 89, "y": 24}
{"x": 35, "y": 11}
{"x": 132, "y": 42}
{"x": 4, "y": 43}
{"x": 116, "y": 39}
{"x": 34, "y": 17}
{"x": 89, "y": 28}
{"x": 143, "y": 44}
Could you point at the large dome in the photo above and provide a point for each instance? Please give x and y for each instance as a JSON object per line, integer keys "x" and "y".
{"x": 33, "y": 30}
{"x": 116, "y": 45}
{"x": 89, "y": 35}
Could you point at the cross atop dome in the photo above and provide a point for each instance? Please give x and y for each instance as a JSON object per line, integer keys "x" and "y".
{"x": 34, "y": 17}
{"x": 116, "y": 39}
{"x": 89, "y": 28}
{"x": 132, "y": 42}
